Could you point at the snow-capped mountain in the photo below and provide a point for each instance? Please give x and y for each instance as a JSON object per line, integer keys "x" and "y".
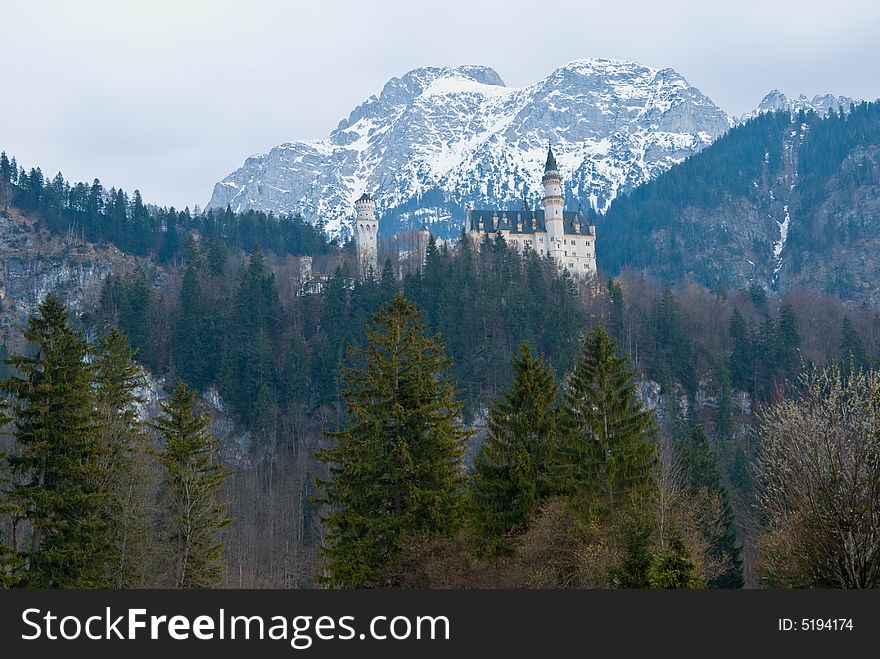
{"x": 820, "y": 104}
{"x": 438, "y": 139}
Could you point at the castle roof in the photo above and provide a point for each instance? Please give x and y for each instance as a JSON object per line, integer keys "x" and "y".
{"x": 532, "y": 222}
{"x": 551, "y": 161}
{"x": 365, "y": 197}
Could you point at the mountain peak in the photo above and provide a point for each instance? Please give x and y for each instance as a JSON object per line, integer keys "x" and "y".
{"x": 437, "y": 139}
{"x": 822, "y": 104}
{"x": 603, "y": 65}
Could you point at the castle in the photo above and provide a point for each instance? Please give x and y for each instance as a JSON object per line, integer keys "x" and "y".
{"x": 566, "y": 236}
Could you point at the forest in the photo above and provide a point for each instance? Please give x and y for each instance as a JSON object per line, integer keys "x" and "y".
{"x": 823, "y": 168}
{"x": 479, "y": 420}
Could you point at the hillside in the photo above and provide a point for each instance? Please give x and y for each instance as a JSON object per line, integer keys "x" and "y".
{"x": 784, "y": 200}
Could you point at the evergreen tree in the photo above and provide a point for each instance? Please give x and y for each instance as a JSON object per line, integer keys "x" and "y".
{"x": 254, "y": 331}
{"x": 788, "y": 342}
{"x": 191, "y": 487}
{"x": 127, "y": 468}
{"x": 194, "y": 333}
{"x": 741, "y": 359}
{"x": 388, "y": 282}
{"x": 396, "y": 466}
{"x": 724, "y": 415}
{"x": 336, "y": 334}
{"x": 674, "y": 354}
{"x": 5, "y": 168}
{"x": 702, "y": 474}
{"x": 759, "y": 297}
{"x": 511, "y": 472}
{"x": 632, "y": 573}
{"x": 673, "y": 568}
{"x": 606, "y": 448}
{"x": 57, "y": 480}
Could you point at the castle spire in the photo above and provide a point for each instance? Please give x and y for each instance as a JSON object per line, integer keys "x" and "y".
{"x": 551, "y": 160}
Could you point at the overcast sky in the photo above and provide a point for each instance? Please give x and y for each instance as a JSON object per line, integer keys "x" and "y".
{"x": 169, "y": 96}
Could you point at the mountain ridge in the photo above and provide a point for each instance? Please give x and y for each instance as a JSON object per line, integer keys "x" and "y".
{"x": 440, "y": 138}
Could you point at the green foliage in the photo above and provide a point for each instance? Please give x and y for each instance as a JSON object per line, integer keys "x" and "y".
{"x": 485, "y": 302}
{"x": 724, "y": 415}
{"x": 673, "y": 361}
{"x": 605, "y": 450}
{"x": 702, "y": 474}
{"x": 645, "y": 566}
{"x": 396, "y": 466}
{"x": 126, "y": 466}
{"x": 673, "y": 568}
{"x": 253, "y": 332}
{"x": 765, "y": 354}
{"x": 729, "y": 167}
{"x": 129, "y": 303}
{"x": 191, "y": 485}
{"x": 510, "y": 473}
{"x": 634, "y": 567}
{"x": 660, "y": 226}
{"x": 99, "y": 215}
{"x": 195, "y": 330}
{"x": 57, "y": 485}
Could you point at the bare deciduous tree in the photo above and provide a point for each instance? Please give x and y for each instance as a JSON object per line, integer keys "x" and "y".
{"x": 819, "y": 485}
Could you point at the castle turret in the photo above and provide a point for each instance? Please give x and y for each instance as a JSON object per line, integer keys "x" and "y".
{"x": 553, "y": 204}
{"x": 366, "y": 230}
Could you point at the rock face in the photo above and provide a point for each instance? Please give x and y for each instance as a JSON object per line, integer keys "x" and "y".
{"x": 34, "y": 263}
{"x": 438, "y": 139}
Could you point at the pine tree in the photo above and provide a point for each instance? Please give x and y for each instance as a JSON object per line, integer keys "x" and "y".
{"x": 606, "y": 447}
{"x": 637, "y": 556}
{"x": 5, "y": 168}
{"x": 254, "y": 329}
{"x": 57, "y": 480}
{"x": 724, "y": 415}
{"x": 788, "y": 342}
{"x": 673, "y": 568}
{"x": 674, "y": 353}
{"x": 741, "y": 356}
{"x": 388, "y": 282}
{"x": 127, "y": 467}
{"x": 702, "y": 474}
{"x": 194, "y": 332}
{"x": 396, "y": 466}
{"x": 511, "y": 472}
{"x": 191, "y": 486}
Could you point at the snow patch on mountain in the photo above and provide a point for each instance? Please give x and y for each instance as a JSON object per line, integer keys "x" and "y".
{"x": 779, "y": 245}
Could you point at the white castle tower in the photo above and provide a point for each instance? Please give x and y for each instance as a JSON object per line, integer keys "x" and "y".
{"x": 554, "y": 206}
{"x": 366, "y": 230}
